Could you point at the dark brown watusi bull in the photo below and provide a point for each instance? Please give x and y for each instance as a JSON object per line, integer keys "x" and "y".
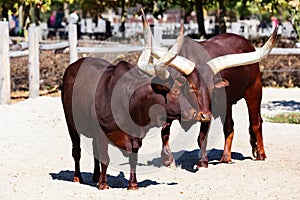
{"x": 226, "y": 61}
{"x": 118, "y": 104}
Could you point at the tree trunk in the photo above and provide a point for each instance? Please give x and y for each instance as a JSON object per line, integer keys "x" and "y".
{"x": 4, "y": 13}
{"x": 123, "y": 18}
{"x": 200, "y": 17}
{"x": 26, "y": 15}
{"x": 222, "y": 16}
{"x": 37, "y": 14}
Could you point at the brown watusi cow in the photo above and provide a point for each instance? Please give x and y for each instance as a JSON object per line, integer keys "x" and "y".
{"x": 118, "y": 104}
{"x": 220, "y": 71}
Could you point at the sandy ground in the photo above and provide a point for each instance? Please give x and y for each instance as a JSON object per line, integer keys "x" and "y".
{"x": 36, "y": 161}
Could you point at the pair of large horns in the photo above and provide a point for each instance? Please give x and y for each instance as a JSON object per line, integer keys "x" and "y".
{"x": 186, "y": 66}
{"x": 160, "y": 67}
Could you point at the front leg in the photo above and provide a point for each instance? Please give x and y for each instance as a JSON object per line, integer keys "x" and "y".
{"x": 228, "y": 133}
{"x": 96, "y": 174}
{"x": 226, "y": 156}
{"x": 132, "y": 185}
{"x": 102, "y": 185}
{"x": 202, "y": 142}
{"x": 166, "y": 154}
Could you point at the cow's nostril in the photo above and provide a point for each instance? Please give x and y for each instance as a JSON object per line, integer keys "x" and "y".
{"x": 204, "y": 117}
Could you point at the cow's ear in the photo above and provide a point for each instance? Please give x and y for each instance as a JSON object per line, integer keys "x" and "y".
{"x": 221, "y": 83}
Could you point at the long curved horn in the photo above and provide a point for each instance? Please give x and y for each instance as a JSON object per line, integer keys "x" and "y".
{"x": 234, "y": 60}
{"x": 160, "y": 68}
{"x": 143, "y": 61}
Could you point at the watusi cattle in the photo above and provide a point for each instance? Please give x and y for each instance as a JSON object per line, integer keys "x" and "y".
{"x": 118, "y": 104}
{"x": 219, "y": 72}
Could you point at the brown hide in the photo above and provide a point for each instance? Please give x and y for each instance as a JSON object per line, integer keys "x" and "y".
{"x": 115, "y": 104}
{"x": 217, "y": 93}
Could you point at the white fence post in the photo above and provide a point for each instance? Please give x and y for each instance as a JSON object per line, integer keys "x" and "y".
{"x": 33, "y": 64}
{"x": 73, "y": 42}
{"x": 4, "y": 64}
{"x": 157, "y": 33}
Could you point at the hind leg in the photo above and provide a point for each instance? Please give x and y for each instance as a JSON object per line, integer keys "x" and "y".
{"x": 202, "y": 143}
{"x": 76, "y": 152}
{"x": 102, "y": 146}
{"x": 253, "y": 97}
{"x": 228, "y": 132}
{"x": 166, "y": 153}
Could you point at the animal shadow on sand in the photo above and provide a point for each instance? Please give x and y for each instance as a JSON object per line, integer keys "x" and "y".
{"x": 113, "y": 181}
{"x": 187, "y": 159}
{"x": 285, "y": 105}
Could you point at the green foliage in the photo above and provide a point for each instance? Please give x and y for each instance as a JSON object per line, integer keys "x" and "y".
{"x": 290, "y": 118}
{"x": 158, "y": 7}
{"x": 13, "y": 5}
{"x": 295, "y": 15}
{"x": 278, "y": 7}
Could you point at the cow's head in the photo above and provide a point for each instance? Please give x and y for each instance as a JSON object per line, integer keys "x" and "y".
{"x": 176, "y": 105}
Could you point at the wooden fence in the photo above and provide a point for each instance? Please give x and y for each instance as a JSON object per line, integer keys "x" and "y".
{"x": 4, "y": 64}
{"x": 34, "y": 47}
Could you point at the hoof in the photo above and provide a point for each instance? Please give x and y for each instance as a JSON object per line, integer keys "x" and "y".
{"x": 103, "y": 186}
{"x": 261, "y": 156}
{"x": 168, "y": 163}
{"x": 226, "y": 159}
{"x": 167, "y": 158}
{"x": 77, "y": 179}
{"x": 133, "y": 187}
{"x": 201, "y": 164}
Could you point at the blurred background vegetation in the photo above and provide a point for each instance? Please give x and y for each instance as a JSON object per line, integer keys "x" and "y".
{"x": 40, "y": 10}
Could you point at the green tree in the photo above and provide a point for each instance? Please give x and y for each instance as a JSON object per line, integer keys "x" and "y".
{"x": 279, "y": 6}
{"x": 32, "y": 8}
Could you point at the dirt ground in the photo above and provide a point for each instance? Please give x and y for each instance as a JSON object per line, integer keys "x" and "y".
{"x": 36, "y": 160}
